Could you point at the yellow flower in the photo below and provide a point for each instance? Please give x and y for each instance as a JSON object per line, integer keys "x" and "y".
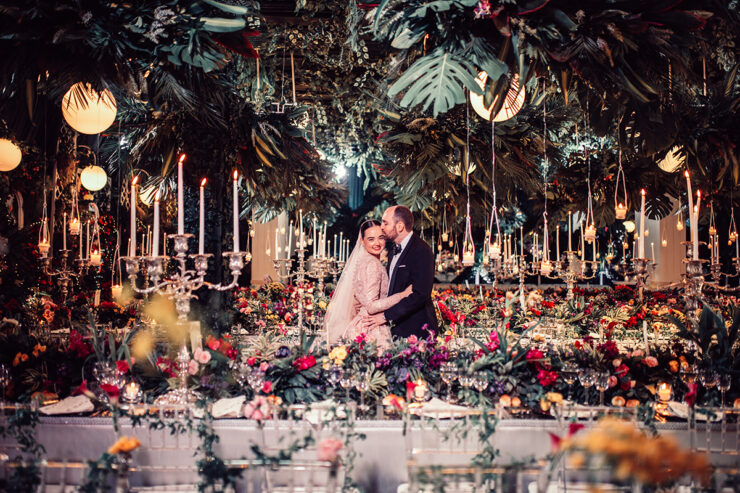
{"x": 38, "y": 349}
{"x": 322, "y": 304}
{"x": 124, "y": 445}
{"x": 338, "y": 354}
{"x": 555, "y": 397}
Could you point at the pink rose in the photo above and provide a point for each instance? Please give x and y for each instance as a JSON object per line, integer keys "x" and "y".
{"x": 257, "y": 409}
{"x": 616, "y": 362}
{"x": 202, "y": 357}
{"x": 328, "y": 449}
{"x": 651, "y": 361}
{"x": 412, "y": 339}
{"x": 637, "y": 353}
{"x": 267, "y": 387}
{"x": 192, "y": 367}
{"x": 264, "y": 366}
{"x": 613, "y": 381}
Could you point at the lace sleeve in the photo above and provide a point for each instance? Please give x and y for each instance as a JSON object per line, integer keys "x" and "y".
{"x": 369, "y": 282}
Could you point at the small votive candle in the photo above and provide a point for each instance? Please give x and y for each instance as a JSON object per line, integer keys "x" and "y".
{"x": 74, "y": 226}
{"x": 420, "y": 390}
{"x": 116, "y": 290}
{"x": 620, "y": 211}
{"x": 44, "y": 248}
{"x": 132, "y": 392}
{"x": 95, "y": 258}
{"x": 665, "y": 391}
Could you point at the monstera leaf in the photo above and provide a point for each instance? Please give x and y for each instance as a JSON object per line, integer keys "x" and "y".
{"x": 438, "y": 79}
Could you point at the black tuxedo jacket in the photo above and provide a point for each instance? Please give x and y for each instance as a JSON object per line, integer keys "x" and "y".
{"x": 414, "y": 267}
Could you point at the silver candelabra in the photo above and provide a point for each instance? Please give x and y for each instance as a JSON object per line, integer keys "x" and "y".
{"x": 180, "y": 287}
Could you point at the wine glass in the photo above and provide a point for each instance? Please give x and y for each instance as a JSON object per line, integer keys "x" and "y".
{"x": 724, "y": 382}
{"x": 362, "y": 385}
{"x": 241, "y": 371}
{"x": 4, "y": 381}
{"x": 689, "y": 373}
{"x": 602, "y": 383}
{"x": 346, "y": 382}
{"x": 448, "y": 373}
{"x": 587, "y": 377}
{"x": 480, "y": 384}
{"x": 256, "y": 379}
{"x": 569, "y": 373}
{"x": 334, "y": 375}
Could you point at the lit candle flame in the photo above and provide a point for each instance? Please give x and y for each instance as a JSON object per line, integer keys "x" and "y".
{"x": 236, "y": 174}
{"x": 642, "y": 192}
{"x": 135, "y": 180}
{"x": 182, "y": 158}
{"x": 203, "y": 182}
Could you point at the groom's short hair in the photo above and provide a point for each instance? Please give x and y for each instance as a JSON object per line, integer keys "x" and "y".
{"x": 401, "y": 213}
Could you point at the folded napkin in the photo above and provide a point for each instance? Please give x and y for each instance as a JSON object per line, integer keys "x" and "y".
{"x": 70, "y": 405}
{"x": 228, "y": 408}
{"x": 326, "y": 410}
{"x": 681, "y": 410}
{"x": 440, "y": 409}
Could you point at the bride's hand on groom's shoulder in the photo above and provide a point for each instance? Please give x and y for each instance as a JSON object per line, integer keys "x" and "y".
{"x": 384, "y": 256}
{"x": 407, "y": 292}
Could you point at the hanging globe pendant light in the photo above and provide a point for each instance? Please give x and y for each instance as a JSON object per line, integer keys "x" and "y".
{"x": 10, "y": 155}
{"x": 88, "y": 111}
{"x": 93, "y": 178}
{"x": 515, "y": 97}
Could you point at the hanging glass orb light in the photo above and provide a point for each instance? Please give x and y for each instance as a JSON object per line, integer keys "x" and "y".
{"x": 10, "y": 155}
{"x": 87, "y": 111}
{"x": 93, "y": 178}
{"x": 629, "y": 226}
{"x": 515, "y": 97}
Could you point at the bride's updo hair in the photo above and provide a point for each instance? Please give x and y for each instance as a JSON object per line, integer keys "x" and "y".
{"x": 367, "y": 225}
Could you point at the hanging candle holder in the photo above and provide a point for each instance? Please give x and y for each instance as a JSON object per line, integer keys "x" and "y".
{"x": 589, "y": 233}
{"x": 712, "y": 224}
{"x": 468, "y": 254}
{"x": 44, "y": 241}
{"x": 445, "y": 230}
{"x": 679, "y": 224}
{"x": 96, "y": 252}
{"x": 620, "y": 206}
{"x": 494, "y": 248}
{"x": 116, "y": 288}
{"x": 732, "y": 234}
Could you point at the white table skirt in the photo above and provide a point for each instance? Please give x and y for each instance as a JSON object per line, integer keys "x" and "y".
{"x": 381, "y": 463}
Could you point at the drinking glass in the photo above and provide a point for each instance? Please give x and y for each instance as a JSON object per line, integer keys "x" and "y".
{"x": 602, "y": 383}
{"x": 256, "y": 379}
{"x": 480, "y": 383}
{"x": 241, "y": 371}
{"x": 689, "y": 373}
{"x": 346, "y": 382}
{"x": 587, "y": 377}
{"x": 448, "y": 373}
{"x": 334, "y": 375}
{"x": 4, "y": 381}
{"x": 569, "y": 373}
{"x": 708, "y": 379}
{"x": 724, "y": 382}
{"x": 362, "y": 386}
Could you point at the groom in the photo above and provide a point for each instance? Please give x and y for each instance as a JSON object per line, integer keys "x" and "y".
{"x": 411, "y": 262}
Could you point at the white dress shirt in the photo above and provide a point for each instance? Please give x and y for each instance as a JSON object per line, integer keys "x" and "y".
{"x": 394, "y": 260}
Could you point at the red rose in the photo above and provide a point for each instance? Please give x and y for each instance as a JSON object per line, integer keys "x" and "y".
{"x": 112, "y": 391}
{"x": 304, "y": 362}
{"x": 122, "y": 366}
{"x": 251, "y": 360}
{"x": 267, "y": 387}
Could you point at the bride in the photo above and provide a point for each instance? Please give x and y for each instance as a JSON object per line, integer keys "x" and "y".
{"x": 362, "y": 291}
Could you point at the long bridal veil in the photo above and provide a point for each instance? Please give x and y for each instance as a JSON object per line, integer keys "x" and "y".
{"x": 341, "y": 308}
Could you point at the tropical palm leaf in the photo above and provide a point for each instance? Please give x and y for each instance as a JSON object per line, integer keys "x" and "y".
{"x": 438, "y": 80}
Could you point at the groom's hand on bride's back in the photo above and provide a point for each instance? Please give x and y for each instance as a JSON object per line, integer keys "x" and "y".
{"x": 373, "y": 321}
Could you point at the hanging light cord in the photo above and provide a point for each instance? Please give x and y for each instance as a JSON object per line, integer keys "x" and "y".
{"x": 468, "y": 239}
{"x": 545, "y": 166}
{"x": 494, "y": 209}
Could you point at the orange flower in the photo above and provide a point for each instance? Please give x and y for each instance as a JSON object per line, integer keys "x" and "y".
{"x": 124, "y": 445}
{"x": 38, "y": 349}
{"x": 20, "y": 358}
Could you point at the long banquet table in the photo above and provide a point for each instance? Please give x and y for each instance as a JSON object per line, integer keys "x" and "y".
{"x": 381, "y": 464}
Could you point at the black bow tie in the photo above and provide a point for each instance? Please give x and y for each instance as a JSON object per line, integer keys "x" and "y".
{"x": 396, "y": 249}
